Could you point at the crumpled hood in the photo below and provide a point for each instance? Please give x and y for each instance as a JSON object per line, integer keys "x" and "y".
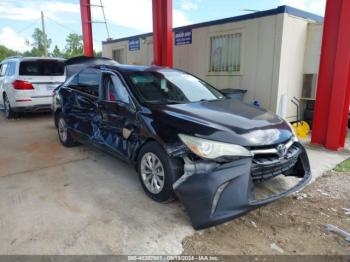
{"x": 226, "y": 120}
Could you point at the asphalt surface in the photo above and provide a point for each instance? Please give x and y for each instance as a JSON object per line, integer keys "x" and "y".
{"x": 55, "y": 200}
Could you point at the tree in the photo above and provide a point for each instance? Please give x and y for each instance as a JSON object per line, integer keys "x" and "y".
{"x": 40, "y": 43}
{"x": 74, "y": 46}
{"x": 97, "y": 53}
{"x": 57, "y": 52}
{"x": 6, "y": 52}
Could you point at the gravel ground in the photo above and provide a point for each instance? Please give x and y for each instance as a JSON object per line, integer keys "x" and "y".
{"x": 293, "y": 225}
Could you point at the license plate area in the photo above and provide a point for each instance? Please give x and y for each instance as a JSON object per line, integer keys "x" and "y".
{"x": 50, "y": 87}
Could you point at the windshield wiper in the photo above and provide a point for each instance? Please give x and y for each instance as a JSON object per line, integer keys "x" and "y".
{"x": 173, "y": 102}
{"x": 170, "y": 102}
{"x": 211, "y": 100}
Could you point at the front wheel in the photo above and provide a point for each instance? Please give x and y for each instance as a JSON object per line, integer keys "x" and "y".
{"x": 157, "y": 172}
{"x": 63, "y": 132}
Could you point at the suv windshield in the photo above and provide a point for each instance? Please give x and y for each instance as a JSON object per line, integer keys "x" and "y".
{"x": 41, "y": 68}
{"x": 171, "y": 87}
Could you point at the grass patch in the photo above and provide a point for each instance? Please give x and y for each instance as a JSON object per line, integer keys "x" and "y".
{"x": 343, "y": 167}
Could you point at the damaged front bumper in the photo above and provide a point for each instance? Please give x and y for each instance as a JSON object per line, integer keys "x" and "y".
{"x": 219, "y": 193}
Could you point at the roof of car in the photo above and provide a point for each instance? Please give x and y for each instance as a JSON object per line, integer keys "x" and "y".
{"x": 137, "y": 68}
{"x": 42, "y": 58}
{"x": 24, "y": 58}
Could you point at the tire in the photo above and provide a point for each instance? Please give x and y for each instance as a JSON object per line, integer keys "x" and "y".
{"x": 9, "y": 113}
{"x": 164, "y": 174}
{"x": 64, "y": 134}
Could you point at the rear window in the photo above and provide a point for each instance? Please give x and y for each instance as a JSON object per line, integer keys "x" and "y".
{"x": 42, "y": 68}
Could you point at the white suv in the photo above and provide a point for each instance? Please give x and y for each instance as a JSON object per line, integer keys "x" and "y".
{"x": 26, "y": 83}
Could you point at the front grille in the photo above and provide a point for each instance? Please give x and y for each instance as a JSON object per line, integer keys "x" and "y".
{"x": 266, "y": 166}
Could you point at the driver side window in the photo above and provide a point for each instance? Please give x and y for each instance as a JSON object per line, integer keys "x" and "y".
{"x": 114, "y": 89}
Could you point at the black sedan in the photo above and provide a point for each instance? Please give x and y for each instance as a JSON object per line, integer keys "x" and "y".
{"x": 185, "y": 137}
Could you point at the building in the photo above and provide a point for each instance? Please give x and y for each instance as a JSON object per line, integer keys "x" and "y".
{"x": 274, "y": 54}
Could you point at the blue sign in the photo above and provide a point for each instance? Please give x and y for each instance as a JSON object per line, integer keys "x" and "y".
{"x": 134, "y": 44}
{"x": 183, "y": 37}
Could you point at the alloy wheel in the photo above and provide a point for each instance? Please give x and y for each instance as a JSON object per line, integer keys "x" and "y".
{"x": 152, "y": 173}
{"x": 62, "y": 130}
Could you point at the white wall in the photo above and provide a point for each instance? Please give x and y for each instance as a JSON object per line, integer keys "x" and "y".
{"x": 292, "y": 62}
{"x": 313, "y": 48}
{"x": 261, "y": 39}
{"x": 273, "y": 51}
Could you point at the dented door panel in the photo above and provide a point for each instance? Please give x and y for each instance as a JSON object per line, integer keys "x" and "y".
{"x": 117, "y": 128}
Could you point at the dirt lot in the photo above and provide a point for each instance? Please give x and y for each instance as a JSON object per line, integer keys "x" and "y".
{"x": 294, "y": 225}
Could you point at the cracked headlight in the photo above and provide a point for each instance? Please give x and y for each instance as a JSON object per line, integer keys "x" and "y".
{"x": 212, "y": 149}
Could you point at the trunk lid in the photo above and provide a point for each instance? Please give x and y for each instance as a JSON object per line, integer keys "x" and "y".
{"x": 44, "y": 74}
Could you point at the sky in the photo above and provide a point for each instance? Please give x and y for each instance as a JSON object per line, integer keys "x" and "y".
{"x": 18, "y": 18}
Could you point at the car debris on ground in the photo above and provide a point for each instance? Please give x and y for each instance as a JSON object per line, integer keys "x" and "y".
{"x": 338, "y": 231}
{"x": 276, "y": 248}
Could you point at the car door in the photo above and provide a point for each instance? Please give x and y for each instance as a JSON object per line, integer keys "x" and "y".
{"x": 118, "y": 127}
{"x": 81, "y": 105}
{"x": 2, "y": 81}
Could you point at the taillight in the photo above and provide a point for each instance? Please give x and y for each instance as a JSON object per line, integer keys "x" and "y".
{"x": 22, "y": 85}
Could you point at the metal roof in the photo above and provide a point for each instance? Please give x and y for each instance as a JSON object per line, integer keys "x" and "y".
{"x": 279, "y": 10}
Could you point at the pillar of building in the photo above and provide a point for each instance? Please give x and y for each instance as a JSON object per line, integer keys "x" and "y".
{"x": 162, "y": 32}
{"x": 333, "y": 90}
{"x": 85, "y": 11}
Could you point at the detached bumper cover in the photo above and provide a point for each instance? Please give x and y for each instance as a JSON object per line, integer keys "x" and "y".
{"x": 228, "y": 191}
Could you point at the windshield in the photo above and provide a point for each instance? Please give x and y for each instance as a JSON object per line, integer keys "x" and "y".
{"x": 41, "y": 67}
{"x": 171, "y": 87}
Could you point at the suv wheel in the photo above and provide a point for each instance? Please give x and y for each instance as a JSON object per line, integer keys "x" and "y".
{"x": 8, "y": 110}
{"x": 63, "y": 133}
{"x": 157, "y": 172}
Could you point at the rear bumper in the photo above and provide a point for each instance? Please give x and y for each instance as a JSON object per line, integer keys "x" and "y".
{"x": 34, "y": 108}
{"x": 228, "y": 191}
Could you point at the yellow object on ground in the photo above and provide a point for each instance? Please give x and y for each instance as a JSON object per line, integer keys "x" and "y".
{"x": 302, "y": 129}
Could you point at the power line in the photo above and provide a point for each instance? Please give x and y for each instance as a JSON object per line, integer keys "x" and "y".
{"x": 27, "y": 27}
{"x": 62, "y": 25}
{"x": 66, "y": 27}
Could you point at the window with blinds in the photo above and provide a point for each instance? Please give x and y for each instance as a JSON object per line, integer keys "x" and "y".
{"x": 225, "y": 53}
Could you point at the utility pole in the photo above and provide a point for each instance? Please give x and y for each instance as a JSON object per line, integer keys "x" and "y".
{"x": 44, "y": 33}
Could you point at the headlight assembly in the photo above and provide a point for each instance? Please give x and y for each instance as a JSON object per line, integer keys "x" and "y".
{"x": 212, "y": 149}
{"x": 293, "y": 130}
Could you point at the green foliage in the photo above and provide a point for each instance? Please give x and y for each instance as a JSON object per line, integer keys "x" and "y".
{"x": 97, "y": 53}
{"x": 34, "y": 52}
{"x": 57, "y": 52}
{"x": 6, "y": 52}
{"x": 343, "y": 167}
{"x": 40, "y": 43}
{"x": 74, "y": 46}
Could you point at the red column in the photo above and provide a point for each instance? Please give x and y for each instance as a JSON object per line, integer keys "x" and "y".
{"x": 163, "y": 32}
{"x": 333, "y": 90}
{"x": 85, "y": 10}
